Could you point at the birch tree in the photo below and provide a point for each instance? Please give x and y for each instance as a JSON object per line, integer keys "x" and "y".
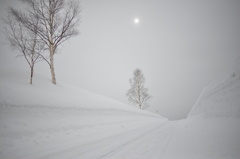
{"x": 23, "y": 41}
{"x": 58, "y": 22}
{"x": 137, "y": 94}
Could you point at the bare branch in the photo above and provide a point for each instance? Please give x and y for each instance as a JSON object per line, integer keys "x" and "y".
{"x": 22, "y": 39}
{"x": 57, "y": 22}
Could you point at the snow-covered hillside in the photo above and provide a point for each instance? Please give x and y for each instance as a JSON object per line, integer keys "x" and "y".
{"x": 42, "y": 113}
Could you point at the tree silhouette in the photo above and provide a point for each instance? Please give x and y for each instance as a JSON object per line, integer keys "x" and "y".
{"x": 137, "y": 94}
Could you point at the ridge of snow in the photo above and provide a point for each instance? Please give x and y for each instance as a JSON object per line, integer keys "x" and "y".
{"x": 221, "y": 97}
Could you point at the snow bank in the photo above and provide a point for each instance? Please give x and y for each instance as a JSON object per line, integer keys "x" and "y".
{"x": 15, "y": 90}
{"x": 222, "y": 97}
{"x": 212, "y": 129}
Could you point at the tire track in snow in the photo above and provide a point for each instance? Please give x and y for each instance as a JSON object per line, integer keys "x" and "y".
{"x": 101, "y": 146}
{"x": 109, "y": 154}
{"x": 159, "y": 153}
{"x": 152, "y": 145}
{"x": 135, "y": 144}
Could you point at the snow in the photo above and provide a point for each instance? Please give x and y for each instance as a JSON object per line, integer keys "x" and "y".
{"x": 212, "y": 129}
{"x": 16, "y": 91}
{"x": 63, "y": 121}
{"x": 221, "y": 98}
{"x": 209, "y": 138}
{"x": 43, "y": 113}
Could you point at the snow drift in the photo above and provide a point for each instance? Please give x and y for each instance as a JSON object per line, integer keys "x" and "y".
{"x": 16, "y": 91}
{"x": 222, "y": 97}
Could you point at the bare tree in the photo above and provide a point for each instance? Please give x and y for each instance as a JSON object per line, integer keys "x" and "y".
{"x": 24, "y": 41}
{"x": 137, "y": 94}
{"x": 58, "y": 21}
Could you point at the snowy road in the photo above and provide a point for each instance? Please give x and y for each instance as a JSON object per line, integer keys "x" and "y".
{"x": 145, "y": 142}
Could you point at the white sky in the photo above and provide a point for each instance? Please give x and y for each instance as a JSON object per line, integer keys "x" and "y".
{"x": 181, "y": 47}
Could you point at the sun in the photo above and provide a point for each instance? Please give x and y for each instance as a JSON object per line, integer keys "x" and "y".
{"x": 136, "y": 20}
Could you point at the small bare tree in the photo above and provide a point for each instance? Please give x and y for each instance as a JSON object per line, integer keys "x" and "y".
{"x": 137, "y": 94}
{"x": 24, "y": 41}
{"x": 58, "y": 21}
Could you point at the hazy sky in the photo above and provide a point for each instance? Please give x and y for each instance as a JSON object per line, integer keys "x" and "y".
{"x": 181, "y": 47}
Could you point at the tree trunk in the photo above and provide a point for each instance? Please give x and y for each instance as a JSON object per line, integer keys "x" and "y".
{"x": 31, "y": 74}
{"x": 52, "y": 66}
{"x": 31, "y": 66}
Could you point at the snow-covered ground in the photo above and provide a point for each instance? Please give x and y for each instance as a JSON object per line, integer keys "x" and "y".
{"x": 62, "y": 121}
{"x": 42, "y": 115}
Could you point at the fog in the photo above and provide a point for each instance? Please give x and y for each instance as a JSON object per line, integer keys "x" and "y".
{"x": 181, "y": 47}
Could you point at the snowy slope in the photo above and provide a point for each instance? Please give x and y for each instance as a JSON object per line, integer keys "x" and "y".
{"x": 212, "y": 129}
{"x": 222, "y": 97}
{"x": 42, "y": 113}
{"x": 15, "y": 90}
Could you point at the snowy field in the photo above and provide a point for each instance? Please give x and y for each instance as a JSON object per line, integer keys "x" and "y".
{"x": 62, "y": 121}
